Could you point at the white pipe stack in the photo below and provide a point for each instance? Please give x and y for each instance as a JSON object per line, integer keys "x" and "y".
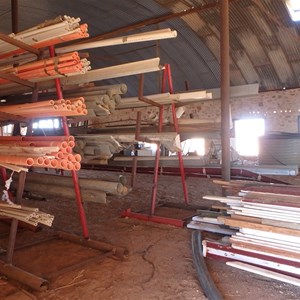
{"x": 122, "y": 40}
{"x": 48, "y": 30}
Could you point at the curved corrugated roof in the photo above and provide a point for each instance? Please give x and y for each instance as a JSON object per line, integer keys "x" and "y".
{"x": 264, "y": 42}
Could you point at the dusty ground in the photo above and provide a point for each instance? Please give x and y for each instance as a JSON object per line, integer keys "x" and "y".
{"x": 160, "y": 262}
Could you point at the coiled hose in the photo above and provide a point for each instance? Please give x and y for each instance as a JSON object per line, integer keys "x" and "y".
{"x": 206, "y": 282}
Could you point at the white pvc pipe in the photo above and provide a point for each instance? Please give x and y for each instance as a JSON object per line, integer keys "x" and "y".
{"x": 135, "y": 38}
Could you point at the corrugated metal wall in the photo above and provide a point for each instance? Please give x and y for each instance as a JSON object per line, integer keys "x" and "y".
{"x": 264, "y": 41}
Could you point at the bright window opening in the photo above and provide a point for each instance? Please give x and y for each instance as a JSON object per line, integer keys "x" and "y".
{"x": 46, "y": 124}
{"x": 293, "y": 7}
{"x": 193, "y": 146}
{"x": 246, "y": 136}
{"x": 7, "y": 129}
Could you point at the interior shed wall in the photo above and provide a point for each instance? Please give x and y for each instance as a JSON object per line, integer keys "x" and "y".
{"x": 280, "y": 109}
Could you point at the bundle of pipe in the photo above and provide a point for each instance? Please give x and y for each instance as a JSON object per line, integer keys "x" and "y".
{"x": 92, "y": 190}
{"x": 165, "y": 98}
{"x": 50, "y": 68}
{"x": 128, "y": 69}
{"x": 50, "y": 108}
{"x": 26, "y": 214}
{"x": 52, "y": 32}
{"x": 100, "y": 148}
{"x": 40, "y": 151}
{"x": 100, "y": 100}
{"x": 110, "y": 187}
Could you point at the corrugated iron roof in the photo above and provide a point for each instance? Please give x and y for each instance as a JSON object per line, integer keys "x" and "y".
{"x": 264, "y": 41}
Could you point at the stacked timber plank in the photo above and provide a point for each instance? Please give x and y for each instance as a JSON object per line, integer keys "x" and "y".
{"x": 267, "y": 220}
{"x": 98, "y": 148}
{"x": 92, "y": 190}
{"x": 40, "y": 151}
{"x": 26, "y": 214}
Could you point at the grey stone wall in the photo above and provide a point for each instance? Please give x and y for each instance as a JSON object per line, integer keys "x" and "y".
{"x": 280, "y": 109}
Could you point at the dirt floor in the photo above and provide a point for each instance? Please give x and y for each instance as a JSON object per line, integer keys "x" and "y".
{"x": 159, "y": 265}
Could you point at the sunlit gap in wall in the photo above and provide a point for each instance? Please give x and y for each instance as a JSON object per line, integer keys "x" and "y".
{"x": 247, "y": 132}
{"x": 293, "y": 7}
{"x": 194, "y": 146}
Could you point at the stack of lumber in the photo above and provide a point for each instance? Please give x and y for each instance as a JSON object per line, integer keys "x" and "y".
{"x": 26, "y": 214}
{"x": 51, "y": 32}
{"x": 267, "y": 218}
{"x": 40, "y": 151}
{"x": 50, "y": 108}
{"x": 92, "y": 190}
{"x": 60, "y": 66}
{"x": 98, "y": 148}
{"x": 165, "y": 98}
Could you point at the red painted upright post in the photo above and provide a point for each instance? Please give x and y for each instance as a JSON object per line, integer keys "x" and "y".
{"x": 167, "y": 76}
{"x": 74, "y": 174}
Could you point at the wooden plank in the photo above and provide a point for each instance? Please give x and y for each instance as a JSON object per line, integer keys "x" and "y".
{"x": 243, "y": 213}
{"x": 266, "y": 249}
{"x": 268, "y": 243}
{"x": 207, "y": 220}
{"x": 271, "y": 196}
{"x": 284, "y": 224}
{"x": 210, "y": 228}
{"x": 227, "y": 200}
{"x": 220, "y": 207}
{"x": 273, "y": 202}
{"x": 217, "y": 250}
{"x": 263, "y": 272}
{"x": 268, "y": 239}
{"x": 267, "y": 212}
{"x": 247, "y": 218}
{"x": 268, "y": 228}
{"x": 276, "y": 188}
{"x": 273, "y": 212}
{"x": 276, "y": 236}
{"x": 271, "y": 206}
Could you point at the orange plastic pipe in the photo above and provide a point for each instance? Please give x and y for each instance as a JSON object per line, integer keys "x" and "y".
{"x": 58, "y": 40}
{"x": 77, "y": 166}
{"x": 46, "y": 62}
{"x": 46, "y": 138}
{"x": 17, "y": 160}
